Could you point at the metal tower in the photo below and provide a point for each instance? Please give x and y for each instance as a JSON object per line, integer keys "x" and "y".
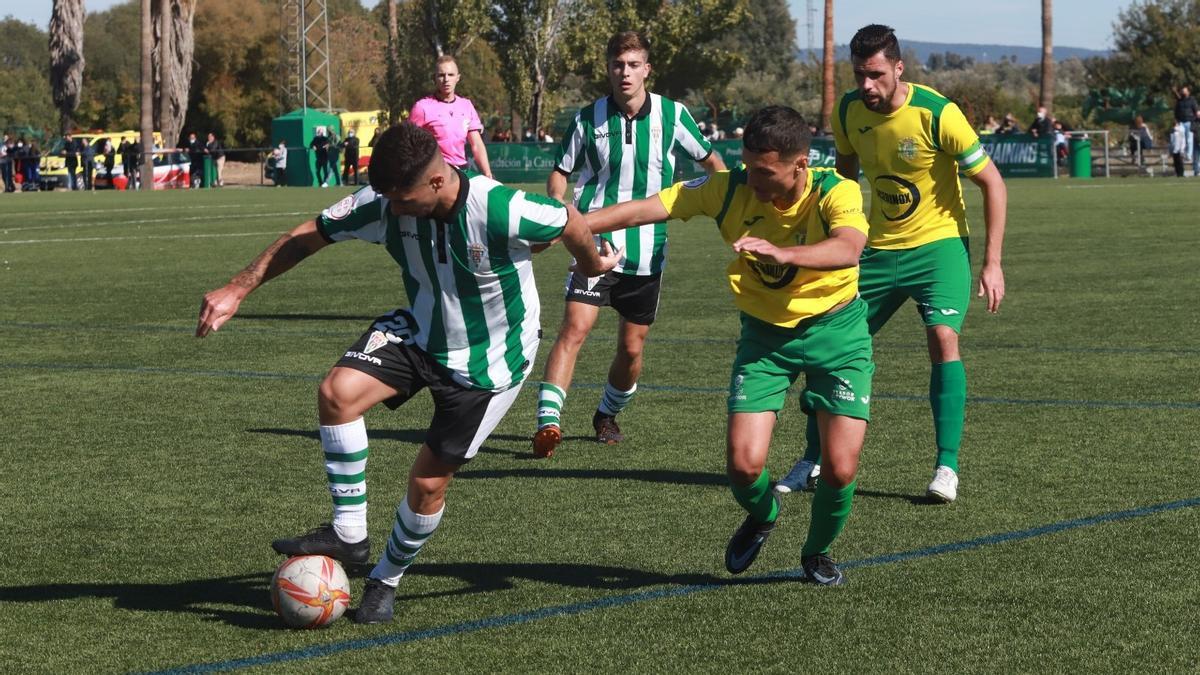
{"x": 306, "y": 78}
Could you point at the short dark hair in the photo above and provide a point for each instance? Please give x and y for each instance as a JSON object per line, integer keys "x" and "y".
{"x": 870, "y": 40}
{"x": 627, "y": 41}
{"x": 400, "y": 156}
{"x": 777, "y": 128}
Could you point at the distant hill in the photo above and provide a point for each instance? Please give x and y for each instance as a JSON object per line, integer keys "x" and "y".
{"x": 981, "y": 53}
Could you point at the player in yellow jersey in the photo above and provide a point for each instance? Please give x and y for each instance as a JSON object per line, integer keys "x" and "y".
{"x": 911, "y": 143}
{"x": 798, "y": 233}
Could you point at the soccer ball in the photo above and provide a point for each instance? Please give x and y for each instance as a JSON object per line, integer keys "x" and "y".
{"x": 310, "y": 591}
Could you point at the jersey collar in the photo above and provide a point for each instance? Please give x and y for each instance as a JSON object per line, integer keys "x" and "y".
{"x": 464, "y": 187}
{"x": 641, "y": 114}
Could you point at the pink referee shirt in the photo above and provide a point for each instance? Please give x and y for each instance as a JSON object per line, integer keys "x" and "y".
{"x": 449, "y": 123}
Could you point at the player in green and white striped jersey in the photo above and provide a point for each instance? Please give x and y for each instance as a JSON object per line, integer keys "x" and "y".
{"x": 469, "y": 333}
{"x": 622, "y": 146}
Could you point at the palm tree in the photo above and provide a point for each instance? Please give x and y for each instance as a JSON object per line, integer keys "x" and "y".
{"x": 1046, "y": 96}
{"x": 147, "y": 97}
{"x": 827, "y": 70}
{"x": 66, "y": 57}
{"x": 175, "y": 46}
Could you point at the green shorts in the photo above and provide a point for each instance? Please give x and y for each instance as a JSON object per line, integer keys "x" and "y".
{"x": 833, "y": 351}
{"x": 937, "y": 276}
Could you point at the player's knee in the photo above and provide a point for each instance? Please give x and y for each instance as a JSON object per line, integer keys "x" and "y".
{"x": 335, "y": 400}
{"x": 839, "y": 475}
{"x": 743, "y": 471}
{"x": 943, "y": 344}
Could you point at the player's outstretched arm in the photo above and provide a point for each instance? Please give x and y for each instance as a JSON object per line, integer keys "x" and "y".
{"x": 841, "y": 250}
{"x": 221, "y": 304}
{"x": 995, "y": 209}
{"x": 627, "y": 214}
{"x": 578, "y": 239}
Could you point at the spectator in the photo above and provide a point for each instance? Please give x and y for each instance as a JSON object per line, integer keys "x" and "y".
{"x": 33, "y": 157}
{"x": 110, "y": 160}
{"x": 350, "y": 158}
{"x": 452, "y": 119}
{"x": 335, "y": 153}
{"x": 279, "y": 154}
{"x": 1186, "y": 110}
{"x": 127, "y": 149}
{"x": 1060, "y": 141}
{"x": 1140, "y": 140}
{"x": 1179, "y": 136}
{"x": 195, "y": 150}
{"x": 320, "y": 147}
{"x": 87, "y": 155}
{"x": 545, "y": 137}
{"x": 1009, "y": 125}
{"x": 738, "y": 132}
{"x": 991, "y": 126}
{"x": 8, "y": 151}
{"x": 1196, "y": 145}
{"x": 71, "y": 160}
{"x": 1041, "y": 127}
{"x": 217, "y": 152}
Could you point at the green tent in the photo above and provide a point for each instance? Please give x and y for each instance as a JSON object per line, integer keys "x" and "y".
{"x": 297, "y": 129}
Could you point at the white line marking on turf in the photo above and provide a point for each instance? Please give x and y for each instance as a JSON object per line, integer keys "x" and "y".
{"x": 243, "y": 216}
{"x": 148, "y": 236}
{"x": 20, "y": 214}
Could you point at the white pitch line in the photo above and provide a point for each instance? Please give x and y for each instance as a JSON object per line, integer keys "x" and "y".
{"x": 18, "y": 214}
{"x": 148, "y": 236}
{"x": 6, "y": 230}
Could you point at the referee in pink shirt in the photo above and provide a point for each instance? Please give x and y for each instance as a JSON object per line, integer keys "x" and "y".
{"x": 452, "y": 119}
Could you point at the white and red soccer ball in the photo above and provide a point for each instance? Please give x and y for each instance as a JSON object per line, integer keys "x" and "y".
{"x": 310, "y": 591}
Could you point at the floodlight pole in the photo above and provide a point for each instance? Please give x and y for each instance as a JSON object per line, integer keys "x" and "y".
{"x": 306, "y": 74}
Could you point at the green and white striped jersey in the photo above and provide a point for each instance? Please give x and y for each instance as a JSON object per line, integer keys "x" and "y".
{"x": 620, "y": 159}
{"x": 473, "y": 305}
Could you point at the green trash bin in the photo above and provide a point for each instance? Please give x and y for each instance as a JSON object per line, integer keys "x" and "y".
{"x": 1080, "y": 156}
{"x": 208, "y": 176}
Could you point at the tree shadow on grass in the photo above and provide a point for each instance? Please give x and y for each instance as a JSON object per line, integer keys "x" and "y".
{"x": 244, "y": 600}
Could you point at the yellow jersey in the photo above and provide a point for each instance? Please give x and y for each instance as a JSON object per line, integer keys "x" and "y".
{"x": 783, "y": 295}
{"x": 911, "y": 158}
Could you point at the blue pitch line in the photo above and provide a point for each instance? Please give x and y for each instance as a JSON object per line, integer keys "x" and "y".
{"x": 662, "y": 593}
{"x": 599, "y": 336}
{"x": 670, "y": 389}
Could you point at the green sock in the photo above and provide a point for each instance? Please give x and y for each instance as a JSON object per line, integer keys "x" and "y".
{"x": 948, "y": 397}
{"x": 830, "y": 511}
{"x": 757, "y": 498}
{"x": 812, "y": 439}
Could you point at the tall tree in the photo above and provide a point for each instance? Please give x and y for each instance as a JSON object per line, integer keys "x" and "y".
{"x": 827, "y": 90}
{"x": 1046, "y": 95}
{"x": 147, "y": 96}
{"x": 1155, "y": 43}
{"x": 529, "y": 36}
{"x": 66, "y": 57}
{"x": 175, "y": 42}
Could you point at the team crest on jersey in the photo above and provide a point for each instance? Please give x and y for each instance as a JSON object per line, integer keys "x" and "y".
{"x": 696, "y": 182}
{"x": 476, "y": 251}
{"x": 907, "y": 149}
{"x": 377, "y": 340}
{"x": 342, "y": 209}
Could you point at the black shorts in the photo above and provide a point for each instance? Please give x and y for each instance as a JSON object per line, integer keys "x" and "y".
{"x": 635, "y": 298}
{"x": 463, "y": 417}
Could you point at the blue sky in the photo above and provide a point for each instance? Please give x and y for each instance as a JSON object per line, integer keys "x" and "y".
{"x": 1078, "y": 23}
